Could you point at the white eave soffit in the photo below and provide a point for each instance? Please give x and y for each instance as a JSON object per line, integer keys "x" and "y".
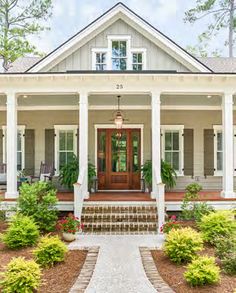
{"x": 119, "y": 11}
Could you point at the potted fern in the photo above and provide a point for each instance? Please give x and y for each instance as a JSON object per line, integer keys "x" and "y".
{"x": 168, "y": 174}
{"x": 69, "y": 173}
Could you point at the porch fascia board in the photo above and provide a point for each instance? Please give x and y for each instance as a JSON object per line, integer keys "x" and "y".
{"x": 107, "y": 83}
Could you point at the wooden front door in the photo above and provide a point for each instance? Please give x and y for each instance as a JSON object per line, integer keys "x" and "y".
{"x": 119, "y": 159}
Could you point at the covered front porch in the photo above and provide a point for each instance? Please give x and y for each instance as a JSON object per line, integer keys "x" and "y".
{"x": 185, "y": 119}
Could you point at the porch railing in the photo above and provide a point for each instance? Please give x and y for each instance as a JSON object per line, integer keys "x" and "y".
{"x": 79, "y": 193}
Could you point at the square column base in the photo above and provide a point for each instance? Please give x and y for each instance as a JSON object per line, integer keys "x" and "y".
{"x": 228, "y": 194}
{"x": 11, "y": 195}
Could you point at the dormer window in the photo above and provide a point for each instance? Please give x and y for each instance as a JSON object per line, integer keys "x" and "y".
{"x": 119, "y": 55}
{"x": 100, "y": 61}
{"x": 137, "y": 61}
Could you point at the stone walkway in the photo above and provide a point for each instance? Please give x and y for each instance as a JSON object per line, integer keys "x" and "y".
{"x": 119, "y": 267}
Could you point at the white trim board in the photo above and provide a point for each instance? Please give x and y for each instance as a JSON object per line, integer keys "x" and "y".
{"x": 110, "y": 107}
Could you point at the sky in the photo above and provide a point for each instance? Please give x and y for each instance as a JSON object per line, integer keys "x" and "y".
{"x": 70, "y": 16}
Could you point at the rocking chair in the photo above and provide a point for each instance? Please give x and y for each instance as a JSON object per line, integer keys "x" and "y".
{"x": 45, "y": 173}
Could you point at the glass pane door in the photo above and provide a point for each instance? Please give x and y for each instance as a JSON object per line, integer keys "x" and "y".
{"x": 119, "y": 152}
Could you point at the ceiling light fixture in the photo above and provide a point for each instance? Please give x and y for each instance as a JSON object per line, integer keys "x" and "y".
{"x": 118, "y": 120}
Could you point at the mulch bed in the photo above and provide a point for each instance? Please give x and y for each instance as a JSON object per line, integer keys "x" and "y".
{"x": 59, "y": 278}
{"x": 173, "y": 275}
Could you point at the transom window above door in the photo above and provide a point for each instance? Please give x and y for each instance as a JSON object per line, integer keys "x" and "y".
{"x": 119, "y": 55}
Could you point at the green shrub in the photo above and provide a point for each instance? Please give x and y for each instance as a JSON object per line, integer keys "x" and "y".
{"x": 200, "y": 210}
{"x": 220, "y": 223}
{"x": 190, "y": 196}
{"x": 182, "y": 244}
{"x": 39, "y": 201}
{"x": 202, "y": 271}
{"x": 226, "y": 251}
{"x": 21, "y": 232}
{"x": 49, "y": 251}
{"x": 21, "y": 276}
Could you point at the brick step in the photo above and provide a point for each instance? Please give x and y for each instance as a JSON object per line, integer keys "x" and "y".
{"x": 92, "y": 218}
{"x": 118, "y": 209}
{"x": 119, "y": 227}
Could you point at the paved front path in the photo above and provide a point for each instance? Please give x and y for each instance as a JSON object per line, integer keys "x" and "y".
{"x": 119, "y": 267}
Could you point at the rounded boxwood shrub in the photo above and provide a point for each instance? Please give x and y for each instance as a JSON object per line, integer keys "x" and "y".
{"x": 202, "y": 271}
{"x": 49, "y": 251}
{"x": 21, "y": 232}
{"x": 21, "y": 276}
{"x": 220, "y": 223}
{"x": 182, "y": 245}
{"x": 39, "y": 200}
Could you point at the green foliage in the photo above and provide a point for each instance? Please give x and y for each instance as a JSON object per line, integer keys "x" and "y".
{"x": 190, "y": 209}
{"x": 220, "y": 223}
{"x": 39, "y": 201}
{"x": 221, "y": 17}
{"x": 69, "y": 173}
{"x": 91, "y": 174}
{"x": 226, "y": 251}
{"x": 190, "y": 196}
{"x": 201, "y": 209}
{"x": 202, "y": 271}
{"x": 168, "y": 174}
{"x": 18, "y": 21}
{"x": 21, "y": 276}
{"x": 182, "y": 245}
{"x": 21, "y": 232}
{"x": 146, "y": 169}
{"x": 49, "y": 251}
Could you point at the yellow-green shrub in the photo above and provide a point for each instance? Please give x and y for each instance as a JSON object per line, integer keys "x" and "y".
{"x": 21, "y": 232}
{"x": 220, "y": 223}
{"x": 202, "y": 271}
{"x": 21, "y": 276}
{"x": 182, "y": 244}
{"x": 49, "y": 251}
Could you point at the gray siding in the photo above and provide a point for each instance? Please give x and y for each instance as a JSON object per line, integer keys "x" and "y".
{"x": 157, "y": 59}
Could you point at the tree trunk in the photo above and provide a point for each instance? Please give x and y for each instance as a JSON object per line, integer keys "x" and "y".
{"x": 231, "y": 28}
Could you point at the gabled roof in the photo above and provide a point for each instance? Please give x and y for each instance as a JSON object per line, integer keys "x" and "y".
{"x": 119, "y": 11}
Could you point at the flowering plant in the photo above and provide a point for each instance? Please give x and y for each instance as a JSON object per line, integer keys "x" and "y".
{"x": 171, "y": 224}
{"x": 69, "y": 224}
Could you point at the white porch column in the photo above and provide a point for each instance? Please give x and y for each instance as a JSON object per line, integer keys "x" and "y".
{"x": 11, "y": 146}
{"x": 156, "y": 144}
{"x": 228, "y": 146}
{"x": 83, "y": 140}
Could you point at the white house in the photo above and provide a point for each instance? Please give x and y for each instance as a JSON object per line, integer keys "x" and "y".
{"x": 173, "y": 106}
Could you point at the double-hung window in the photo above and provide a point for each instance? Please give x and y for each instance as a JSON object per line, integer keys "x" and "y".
{"x": 137, "y": 61}
{"x": 100, "y": 61}
{"x": 20, "y": 147}
{"x": 65, "y": 145}
{"x": 172, "y": 146}
{"x": 119, "y": 55}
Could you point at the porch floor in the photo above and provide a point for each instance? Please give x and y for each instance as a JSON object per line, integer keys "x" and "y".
{"x": 136, "y": 196}
{"x": 140, "y": 196}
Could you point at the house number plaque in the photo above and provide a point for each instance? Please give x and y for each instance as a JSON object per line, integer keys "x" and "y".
{"x": 119, "y": 86}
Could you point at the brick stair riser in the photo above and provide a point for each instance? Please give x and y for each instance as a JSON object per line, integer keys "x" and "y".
{"x": 118, "y": 218}
{"x": 118, "y": 210}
